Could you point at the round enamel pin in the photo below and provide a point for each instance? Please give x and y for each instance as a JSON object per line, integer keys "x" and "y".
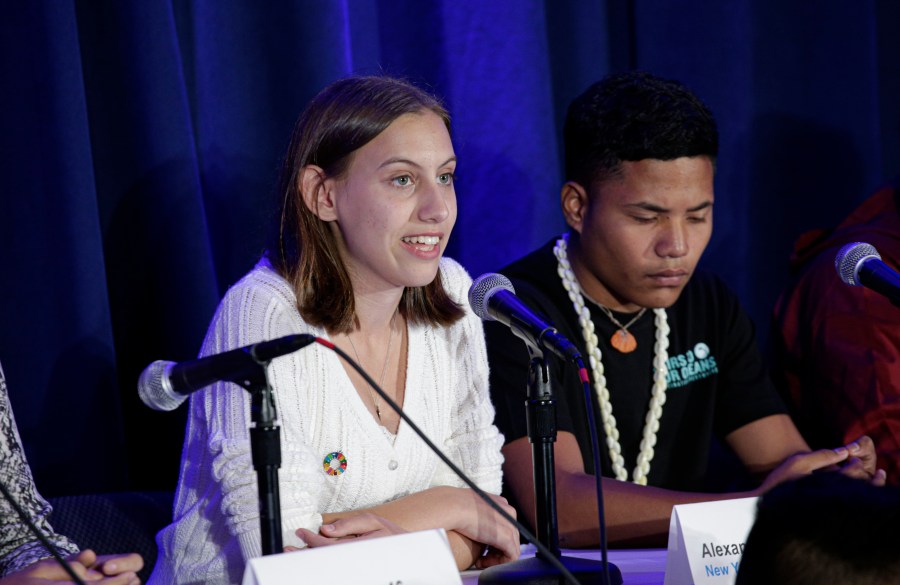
{"x": 335, "y": 463}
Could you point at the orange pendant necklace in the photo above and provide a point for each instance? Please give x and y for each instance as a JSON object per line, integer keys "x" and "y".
{"x": 622, "y": 339}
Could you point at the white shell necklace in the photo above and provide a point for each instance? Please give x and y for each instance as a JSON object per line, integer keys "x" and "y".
{"x": 660, "y": 371}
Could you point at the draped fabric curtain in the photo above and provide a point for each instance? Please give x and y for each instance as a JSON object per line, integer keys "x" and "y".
{"x": 141, "y": 142}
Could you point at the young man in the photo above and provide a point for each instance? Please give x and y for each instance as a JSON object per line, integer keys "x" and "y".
{"x": 674, "y": 355}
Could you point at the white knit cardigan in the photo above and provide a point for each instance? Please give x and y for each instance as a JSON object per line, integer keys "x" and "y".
{"x": 216, "y": 516}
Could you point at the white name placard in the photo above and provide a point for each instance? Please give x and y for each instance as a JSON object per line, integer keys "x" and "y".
{"x": 416, "y": 558}
{"x": 706, "y": 541}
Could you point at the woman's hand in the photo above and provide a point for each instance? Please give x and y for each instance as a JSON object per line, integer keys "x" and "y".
{"x": 359, "y": 527}
{"x": 471, "y": 524}
{"x": 105, "y": 570}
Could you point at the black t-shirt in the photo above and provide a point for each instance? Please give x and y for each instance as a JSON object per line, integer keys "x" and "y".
{"x": 716, "y": 383}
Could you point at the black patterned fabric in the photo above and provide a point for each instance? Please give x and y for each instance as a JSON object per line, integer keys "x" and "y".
{"x": 18, "y": 546}
{"x": 115, "y": 522}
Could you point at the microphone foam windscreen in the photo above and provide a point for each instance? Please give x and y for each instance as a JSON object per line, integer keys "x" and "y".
{"x": 483, "y": 289}
{"x": 850, "y": 257}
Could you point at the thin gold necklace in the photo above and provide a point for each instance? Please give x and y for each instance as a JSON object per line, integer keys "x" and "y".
{"x": 387, "y": 356}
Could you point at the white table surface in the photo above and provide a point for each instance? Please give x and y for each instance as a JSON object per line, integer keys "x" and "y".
{"x": 638, "y": 566}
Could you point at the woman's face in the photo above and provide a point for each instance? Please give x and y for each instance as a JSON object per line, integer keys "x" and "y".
{"x": 395, "y": 206}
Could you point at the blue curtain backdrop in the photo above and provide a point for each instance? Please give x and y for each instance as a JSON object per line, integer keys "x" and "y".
{"x": 140, "y": 143}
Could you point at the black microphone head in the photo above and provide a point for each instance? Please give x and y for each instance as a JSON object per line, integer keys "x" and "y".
{"x": 481, "y": 291}
{"x": 850, "y": 258}
{"x": 155, "y": 388}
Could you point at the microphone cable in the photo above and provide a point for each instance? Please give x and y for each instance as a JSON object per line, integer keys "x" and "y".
{"x": 545, "y": 552}
{"x": 595, "y": 456}
{"x": 23, "y": 515}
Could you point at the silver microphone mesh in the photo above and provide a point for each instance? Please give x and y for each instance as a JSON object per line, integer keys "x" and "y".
{"x": 481, "y": 291}
{"x": 850, "y": 258}
{"x": 155, "y": 389}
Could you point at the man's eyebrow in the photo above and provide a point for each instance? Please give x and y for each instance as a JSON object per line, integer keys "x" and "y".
{"x": 658, "y": 209}
{"x": 704, "y": 205}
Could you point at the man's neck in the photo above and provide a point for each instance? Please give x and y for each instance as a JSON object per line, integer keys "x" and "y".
{"x": 592, "y": 286}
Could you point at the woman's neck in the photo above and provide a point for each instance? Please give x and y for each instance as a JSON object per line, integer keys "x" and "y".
{"x": 375, "y": 312}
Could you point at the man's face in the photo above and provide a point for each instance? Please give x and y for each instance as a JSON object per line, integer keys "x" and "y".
{"x": 641, "y": 232}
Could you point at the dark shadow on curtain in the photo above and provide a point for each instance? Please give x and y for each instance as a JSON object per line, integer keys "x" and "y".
{"x": 498, "y": 204}
{"x": 76, "y": 373}
{"x": 887, "y": 19}
{"x": 162, "y": 297}
{"x": 799, "y": 190}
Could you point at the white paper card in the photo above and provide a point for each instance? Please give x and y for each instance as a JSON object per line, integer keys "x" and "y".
{"x": 706, "y": 541}
{"x": 411, "y": 559}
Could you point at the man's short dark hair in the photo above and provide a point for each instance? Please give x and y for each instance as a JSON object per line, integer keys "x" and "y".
{"x": 824, "y": 528}
{"x": 631, "y": 117}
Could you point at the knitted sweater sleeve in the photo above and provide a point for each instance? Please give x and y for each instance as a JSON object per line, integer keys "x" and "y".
{"x": 253, "y": 311}
{"x": 18, "y": 546}
{"x": 474, "y": 442}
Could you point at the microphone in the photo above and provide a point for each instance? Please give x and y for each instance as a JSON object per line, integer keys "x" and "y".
{"x": 165, "y": 385}
{"x": 860, "y": 264}
{"x": 493, "y": 298}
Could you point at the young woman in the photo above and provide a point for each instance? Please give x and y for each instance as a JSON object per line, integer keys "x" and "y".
{"x": 368, "y": 204}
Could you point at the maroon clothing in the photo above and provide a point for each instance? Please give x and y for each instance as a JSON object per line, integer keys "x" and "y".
{"x": 838, "y": 346}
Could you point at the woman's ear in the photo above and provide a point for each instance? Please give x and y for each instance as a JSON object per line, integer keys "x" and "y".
{"x": 574, "y": 201}
{"x": 317, "y": 192}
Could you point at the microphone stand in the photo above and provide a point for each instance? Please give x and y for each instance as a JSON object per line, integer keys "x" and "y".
{"x": 540, "y": 409}
{"x": 265, "y": 449}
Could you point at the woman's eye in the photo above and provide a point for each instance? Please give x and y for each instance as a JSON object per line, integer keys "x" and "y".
{"x": 403, "y": 181}
{"x": 445, "y": 178}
